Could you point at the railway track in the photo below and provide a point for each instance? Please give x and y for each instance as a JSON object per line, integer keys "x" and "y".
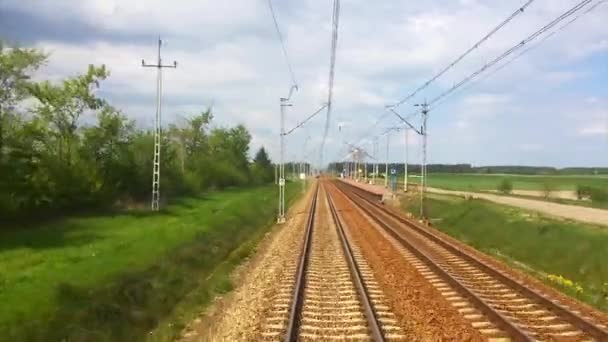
{"x": 499, "y": 306}
{"x": 333, "y": 295}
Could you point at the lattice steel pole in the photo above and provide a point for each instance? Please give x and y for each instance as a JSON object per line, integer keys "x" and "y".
{"x": 157, "y": 126}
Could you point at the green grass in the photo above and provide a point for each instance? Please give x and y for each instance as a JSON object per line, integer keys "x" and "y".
{"x": 115, "y": 277}
{"x": 480, "y": 182}
{"x": 539, "y": 245}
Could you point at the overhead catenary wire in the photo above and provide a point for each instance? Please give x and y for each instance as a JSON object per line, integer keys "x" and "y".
{"x": 280, "y": 36}
{"x": 530, "y": 48}
{"x": 513, "y": 49}
{"x": 332, "y": 65}
{"x": 466, "y": 53}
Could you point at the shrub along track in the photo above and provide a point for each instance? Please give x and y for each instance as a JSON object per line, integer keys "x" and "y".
{"x": 493, "y": 302}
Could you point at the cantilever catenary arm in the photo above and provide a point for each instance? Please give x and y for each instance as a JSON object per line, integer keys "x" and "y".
{"x": 306, "y": 120}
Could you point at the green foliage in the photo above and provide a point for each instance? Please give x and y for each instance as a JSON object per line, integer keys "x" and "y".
{"x": 51, "y": 163}
{"x": 262, "y": 171}
{"x": 583, "y": 192}
{"x": 505, "y": 186}
{"x": 595, "y": 194}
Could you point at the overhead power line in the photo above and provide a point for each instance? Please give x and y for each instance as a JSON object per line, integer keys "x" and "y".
{"x": 461, "y": 57}
{"x": 332, "y": 65}
{"x": 276, "y": 26}
{"x": 513, "y": 49}
{"x": 530, "y": 48}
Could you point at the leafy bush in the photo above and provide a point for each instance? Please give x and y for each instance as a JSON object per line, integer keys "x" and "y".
{"x": 594, "y": 194}
{"x": 505, "y": 186}
{"x": 583, "y": 192}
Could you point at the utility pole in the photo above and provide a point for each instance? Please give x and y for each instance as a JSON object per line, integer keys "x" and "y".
{"x": 284, "y": 102}
{"x": 375, "y": 165}
{"x": 388, "y": 135}
{"x": 405, "y": 164}
{"x": 423, "y": 169}
{"x": 281, "y": 214}
{"x": 157, "y": 126}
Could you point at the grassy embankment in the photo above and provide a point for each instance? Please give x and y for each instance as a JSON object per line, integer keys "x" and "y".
{"x": 114, "y": 278}
{"x": 546, "y": 248}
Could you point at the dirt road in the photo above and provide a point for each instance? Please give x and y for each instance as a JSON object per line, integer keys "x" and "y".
{"x": 578, "y": 213}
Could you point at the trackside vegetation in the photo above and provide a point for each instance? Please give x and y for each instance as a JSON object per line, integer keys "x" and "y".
{"x": 570, "y": 256}
{"x": 115, "y": 277}
{"x": 66, "y": 149}
{"x": 81, "y": 258}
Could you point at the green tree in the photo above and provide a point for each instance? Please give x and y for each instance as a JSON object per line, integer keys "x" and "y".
{"x": 16, "y": 66}
{"x": 262, "y": 167}
{"x": 20, "y": 141}
{"x": 505, "y": 186}
{"x": 62, "y": 105}
{"x": 105, "y": 149}
{"x": 58, "y": 164}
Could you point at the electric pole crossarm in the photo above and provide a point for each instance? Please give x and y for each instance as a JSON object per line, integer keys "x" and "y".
{"x": 173, "y": 66}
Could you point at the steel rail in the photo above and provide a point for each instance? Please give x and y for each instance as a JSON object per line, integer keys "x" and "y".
{"x": 293, "y": 325}
{"x": 574, "y": 319}
{"x": 496, "y": 317}
{"x": 355, "y": 273}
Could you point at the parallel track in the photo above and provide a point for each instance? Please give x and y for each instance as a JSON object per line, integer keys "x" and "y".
{"x": 498, "y": 305}
{"x": 330, "y": 299}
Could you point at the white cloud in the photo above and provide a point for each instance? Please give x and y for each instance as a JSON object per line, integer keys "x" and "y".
{"x": 601, "y": 128}
{"x": 228, "y": 56}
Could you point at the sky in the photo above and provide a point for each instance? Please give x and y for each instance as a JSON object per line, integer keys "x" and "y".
{"x": 548, "y": 107}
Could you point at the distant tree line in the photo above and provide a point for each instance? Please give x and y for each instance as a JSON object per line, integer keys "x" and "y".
{"x": 51, "y": 162}
{"x": 468, "y": 168}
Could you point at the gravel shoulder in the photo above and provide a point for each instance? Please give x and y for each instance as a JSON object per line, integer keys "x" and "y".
{"x": 572, "y": 212}
{"x": 239, "y": 315}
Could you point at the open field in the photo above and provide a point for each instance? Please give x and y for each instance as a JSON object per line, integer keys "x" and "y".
{"x": 489, "y": 182}
{"x": 115, "y": 277}
{"x": 544, "y": 247}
